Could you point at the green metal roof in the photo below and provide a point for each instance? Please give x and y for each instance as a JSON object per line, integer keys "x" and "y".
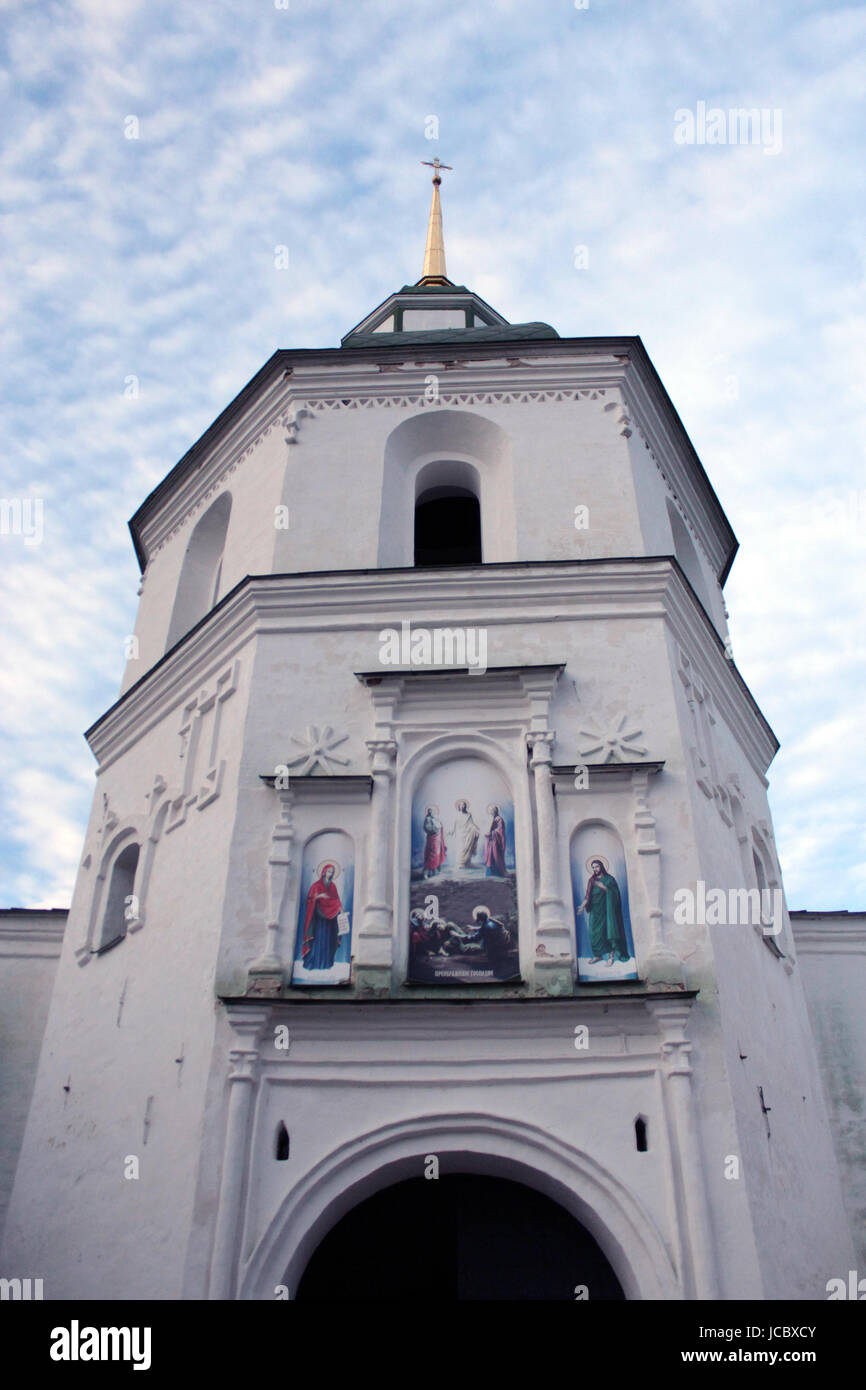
{"x": 497, "y": 333}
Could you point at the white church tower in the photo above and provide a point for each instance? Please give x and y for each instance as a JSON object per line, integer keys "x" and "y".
{"x": 430, "y": 873}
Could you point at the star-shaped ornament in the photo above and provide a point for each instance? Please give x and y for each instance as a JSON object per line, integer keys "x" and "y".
{"x": 317, "y": 746}
{"x": 613, "y": 742}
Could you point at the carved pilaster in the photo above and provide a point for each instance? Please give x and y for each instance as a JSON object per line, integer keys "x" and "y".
{"x": 266, "y": 974}
{"x": 248, "y": 1025}
{"x": 698, "y": 1257}
{"x": 553, "y": 935}
{"x": 662, "y": 965}
{"x": 373, "y": 953}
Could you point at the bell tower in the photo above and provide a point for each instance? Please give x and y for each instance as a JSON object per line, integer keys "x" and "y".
{"x": 431, "y": 823}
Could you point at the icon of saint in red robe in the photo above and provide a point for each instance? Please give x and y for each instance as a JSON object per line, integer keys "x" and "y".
{"x": 321, "y": 937}
{"x": 494, "y": 848}
{"x": 434, "y": 842}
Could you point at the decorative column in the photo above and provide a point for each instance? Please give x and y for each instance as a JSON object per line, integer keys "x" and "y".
{"x": 266, "y": 974}
{"x": 372, "y": 970}
{"x": 698, "y": 1256}
{"x": 553, "y": 936}
{"x": 248, "y": 1025}
{"x": 662, "y": 965}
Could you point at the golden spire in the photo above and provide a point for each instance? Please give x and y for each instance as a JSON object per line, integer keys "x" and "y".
{"x": 434, "y": 272}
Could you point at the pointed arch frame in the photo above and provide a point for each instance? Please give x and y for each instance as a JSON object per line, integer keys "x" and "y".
{"x": 464, "y": 1142}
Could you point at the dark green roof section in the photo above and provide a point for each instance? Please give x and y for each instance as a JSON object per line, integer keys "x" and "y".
{"x": 497, "y": 333}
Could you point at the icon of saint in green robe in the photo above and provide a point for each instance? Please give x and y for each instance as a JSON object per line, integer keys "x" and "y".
{"x": 603, "y": 908}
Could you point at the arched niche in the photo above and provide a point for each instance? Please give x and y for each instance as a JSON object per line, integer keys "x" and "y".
{"x": 687, "y": 555}
{"x": 599, "y": 885}
{"x": 323, "y": 938}
{"x": 115, "y": 907}
{"x": 463, "y": 921}
{"x": 198, "y": 586}
{"x": 774, "y": 924}
{"x": 447, "y": 449}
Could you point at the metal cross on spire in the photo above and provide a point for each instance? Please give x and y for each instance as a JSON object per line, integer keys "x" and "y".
{"x": 434, "y": 254}
{"x": 435, "y": 165}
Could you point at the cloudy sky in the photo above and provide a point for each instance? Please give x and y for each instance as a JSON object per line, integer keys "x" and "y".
{"x": 156, "y": 153}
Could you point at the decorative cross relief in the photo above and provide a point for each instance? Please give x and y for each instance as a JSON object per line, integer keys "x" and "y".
{"x": 703, "y": 750}
{"x": 615, "y": 740}
{"x": 698, "y": 699}
{"x": 200, "y": 714}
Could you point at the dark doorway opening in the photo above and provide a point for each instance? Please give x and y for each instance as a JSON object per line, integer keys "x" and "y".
{"x": 454, "y": 1238}
{"x": 447, "y": 528}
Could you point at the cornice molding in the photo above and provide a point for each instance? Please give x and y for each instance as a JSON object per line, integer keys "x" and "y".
{"x": 829, "y": 933}
{"x": 319, "y": 1021}
{"x": 33, "y": 934}
{"x": 502, "y": 594}
{"x": 482, "y": 375}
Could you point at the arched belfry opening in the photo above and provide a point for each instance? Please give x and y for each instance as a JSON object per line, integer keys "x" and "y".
{"x": 458, "y": 1237}
{"x": 447, "y": 527}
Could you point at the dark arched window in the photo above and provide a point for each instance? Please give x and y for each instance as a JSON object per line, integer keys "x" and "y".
{"x": 447, "y": 527}
{"x": 641, "y": 1136}
{"x": 120, "y": 906}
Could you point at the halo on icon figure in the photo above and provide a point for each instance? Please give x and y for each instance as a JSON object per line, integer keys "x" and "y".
{"x": 434, "y": 810}
{"x": 462, "y": 801}
{"x": 493, "y": 809}
{"x": 598, "y": 859}
{"x": 329, "y": 864}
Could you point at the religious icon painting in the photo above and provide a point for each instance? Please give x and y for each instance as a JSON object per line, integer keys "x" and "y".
{"x": 463, "y": 885}
{"x": 605, "y": 946}
{"x": 323, "y": 945}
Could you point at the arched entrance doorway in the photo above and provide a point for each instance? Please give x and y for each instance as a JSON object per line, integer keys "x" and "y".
{"x": 462, "y": 1236}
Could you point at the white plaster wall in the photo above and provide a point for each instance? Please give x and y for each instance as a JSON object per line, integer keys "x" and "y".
{"x": 30, "y": 944}
{"x": 127, "y": 1049}
{"x": 831, "y": 952}
{"x": 652, "y": 495}
{"x": 766, "y": 1042}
